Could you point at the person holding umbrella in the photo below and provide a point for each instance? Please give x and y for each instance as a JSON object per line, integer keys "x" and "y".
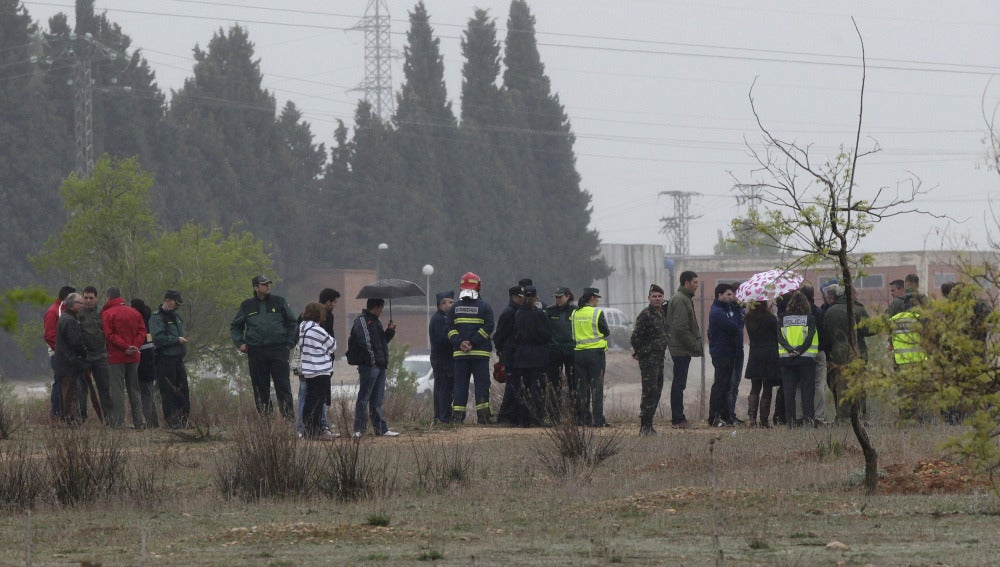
{"x": 368, "y": 349}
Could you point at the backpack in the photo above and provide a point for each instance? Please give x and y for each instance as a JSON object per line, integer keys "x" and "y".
{"x": 356, "y": 353}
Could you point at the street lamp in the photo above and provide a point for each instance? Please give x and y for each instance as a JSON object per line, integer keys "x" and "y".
{"x": 378, "y": 258}
{"x": 428, "y": 271}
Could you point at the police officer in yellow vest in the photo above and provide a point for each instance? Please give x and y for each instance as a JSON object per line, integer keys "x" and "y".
{"x": 798, "y": 346}
{"x": 906, "y": 338}
{"x": 590, "y": 333}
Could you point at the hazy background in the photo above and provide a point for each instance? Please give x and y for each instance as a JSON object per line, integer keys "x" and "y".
{"x": 657, "y": 91}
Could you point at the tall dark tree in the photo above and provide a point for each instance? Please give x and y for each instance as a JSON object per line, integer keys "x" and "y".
{"x": 29, "y": 150}
{"x": 550, "y": 180}
{"x": 230, "y": 163}
{"x": 424, "y": 140}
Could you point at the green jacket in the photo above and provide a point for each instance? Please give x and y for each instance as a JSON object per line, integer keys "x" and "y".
{"x": 905, "y": 301}
{"x": 836, "y": 328}
{"x": 684, "y": 338}
{"x": 561, "y": 322}
{"x": 264, "y": 322}
{"x": 167, "y": 329}
{"x": 650, "y": 333}
{"x": 93, "y": 334}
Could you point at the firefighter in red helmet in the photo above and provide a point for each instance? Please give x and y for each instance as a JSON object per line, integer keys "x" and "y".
{"x": 470, "y": 324}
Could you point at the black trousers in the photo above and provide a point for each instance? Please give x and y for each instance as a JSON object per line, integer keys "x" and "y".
{"x": 317, "y": 395}
{"x": 560, "y": 395}
{"x": 267, "y": 364}
{"x": 175, "y": 395}
{"x": 718, "y": 401}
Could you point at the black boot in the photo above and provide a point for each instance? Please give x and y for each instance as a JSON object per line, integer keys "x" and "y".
{"x": 457, "y": 416}
{"x": 646, "y": 427}
{"x": 483, "y": 417}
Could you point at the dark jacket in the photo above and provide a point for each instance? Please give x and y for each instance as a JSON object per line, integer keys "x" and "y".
{"x": 561, "y": 323}
{"x": 264, "y": 322}
{"x": 532, "y": 334}
{"x": 763, "y": 362}
{"x": 819, "y": 313}
{"x": 93, "y": 334}
{"x": 437, "y": 330}
{"x": 367, "y": 331}
{"x": 71, "y": 353}
{"x": 649, "y": 335}
{"x": 685, "y": 335}
{"x": 902, "y": 302}
{"x": 836, "y": 327}
{"x": 503, "y": 338}
{"x": 471, "y": 320}
{"x": 167, "y": 329}
{"x": 725, "y": 330}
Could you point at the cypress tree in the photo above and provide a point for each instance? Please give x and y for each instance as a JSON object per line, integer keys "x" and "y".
{"x": 571, "y": 247}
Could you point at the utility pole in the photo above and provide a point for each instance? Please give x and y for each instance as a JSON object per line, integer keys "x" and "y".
{"x": 677, "y": 227}
{"x": 748, "y": 194}
{"x": 377, "y": 86}
{"x": 85, "y": 51}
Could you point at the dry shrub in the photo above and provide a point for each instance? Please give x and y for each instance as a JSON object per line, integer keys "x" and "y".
{"x": 215, "y": 402}
{"x": 266, "y": 460}
{"x": 568, "y": 448}
{"x": 442, "y": 465}
{"x": 354, "y": 470}
{"x": 86, "y": 465}
{"x": 22, "y": 476}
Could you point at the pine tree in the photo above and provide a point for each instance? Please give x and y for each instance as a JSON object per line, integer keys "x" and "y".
{"x": 571, "y": 248}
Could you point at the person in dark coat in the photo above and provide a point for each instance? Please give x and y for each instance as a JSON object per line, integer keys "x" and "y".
{"x": 70, "y": 358}
{"x": 167, "y": 329}
{"x": 368, "y": 332}
{"x": 442, "y": 362}
{"x": 725, "y": 344}
{"x": 798, "y": 344}
{"x": 503, "y": 341}
{"x": 837, "y": 327}
{"x": 532, "y": 334}
{"x": 763, "y": 368}
{"x": 147, "y": 362}
{"x": 559, "y": 392}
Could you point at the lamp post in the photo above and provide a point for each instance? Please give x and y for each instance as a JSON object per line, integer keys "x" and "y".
{"x": 378, "y": 258}
{"x": 428, "y": 271}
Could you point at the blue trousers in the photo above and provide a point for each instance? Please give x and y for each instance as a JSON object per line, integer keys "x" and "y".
{"x": 478, "y": 368}
{"x": 444, "y": 390}
{"x": 371, "y": 393}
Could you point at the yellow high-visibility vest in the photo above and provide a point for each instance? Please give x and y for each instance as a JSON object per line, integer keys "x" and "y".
{"x": 906, "y": 338}
{"x": 794, "y": 329}
{"x": 585, "y": 331}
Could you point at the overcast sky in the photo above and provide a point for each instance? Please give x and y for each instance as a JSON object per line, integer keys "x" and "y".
{"x": 656, "y": 90}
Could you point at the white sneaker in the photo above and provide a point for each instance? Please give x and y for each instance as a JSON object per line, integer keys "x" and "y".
{"x": 357, "y": 434}
{"x": 391, "y": 434}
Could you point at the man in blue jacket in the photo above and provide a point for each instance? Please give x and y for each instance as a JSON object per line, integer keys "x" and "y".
{"x": 725, "y": 344}
{"x": 265, "y": 329}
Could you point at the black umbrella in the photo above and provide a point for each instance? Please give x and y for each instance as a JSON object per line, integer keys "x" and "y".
{"x": 390, "y": 288}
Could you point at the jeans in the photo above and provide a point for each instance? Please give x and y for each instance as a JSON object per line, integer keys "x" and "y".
{"x": 267, "y": 364}
{"x": 681, "y": 365}
{"x": 371, "y": 393}
{"x": 55, "y": 403}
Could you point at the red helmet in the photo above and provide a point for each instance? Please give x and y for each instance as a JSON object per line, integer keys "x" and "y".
{"x": 470, "y": 281}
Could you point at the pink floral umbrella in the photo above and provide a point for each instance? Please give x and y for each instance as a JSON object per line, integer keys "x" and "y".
{"x": 768, "y": 285}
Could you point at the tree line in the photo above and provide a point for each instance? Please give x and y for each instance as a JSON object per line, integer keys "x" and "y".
{"x": 493, "y": 189}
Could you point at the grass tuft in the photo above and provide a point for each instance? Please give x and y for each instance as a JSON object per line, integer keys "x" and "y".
{"x": 267, "y": 460}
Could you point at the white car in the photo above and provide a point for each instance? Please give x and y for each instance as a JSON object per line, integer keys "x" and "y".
{"x": 420, "y": 364}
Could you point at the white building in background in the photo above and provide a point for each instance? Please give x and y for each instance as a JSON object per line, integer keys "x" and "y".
{"x": 633, "y": 268}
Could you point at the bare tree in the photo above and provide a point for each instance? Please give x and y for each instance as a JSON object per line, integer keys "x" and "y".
{"x": 814, "y": 209}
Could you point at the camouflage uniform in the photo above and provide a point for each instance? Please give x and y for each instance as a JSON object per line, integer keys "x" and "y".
{"x": 649, "y": 343}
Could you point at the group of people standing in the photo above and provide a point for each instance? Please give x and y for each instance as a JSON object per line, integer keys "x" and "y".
{"x": 116, "y": 351}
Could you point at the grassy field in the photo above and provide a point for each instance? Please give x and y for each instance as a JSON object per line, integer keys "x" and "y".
{"x": 484, "y": 495}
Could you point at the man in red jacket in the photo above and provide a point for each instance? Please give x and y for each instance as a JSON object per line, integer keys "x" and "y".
{"x": 49, "y": 323}
{"x": 125, "y": 332}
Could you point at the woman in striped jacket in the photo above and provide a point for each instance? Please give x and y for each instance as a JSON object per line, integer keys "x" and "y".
{"x": 317, "y": 366}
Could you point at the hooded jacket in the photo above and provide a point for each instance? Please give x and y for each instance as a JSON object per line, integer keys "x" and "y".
{"x": 123, "y": 327}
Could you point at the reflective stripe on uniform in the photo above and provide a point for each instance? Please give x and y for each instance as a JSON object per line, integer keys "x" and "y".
{"x": 906, "y": 338}
{"x": 795, "y": 335}
{"x": 482, "y": 406}
{"x": 469, "y": 321}
{"x": 585, "y": 330}
{"x": 484, "y": 353}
